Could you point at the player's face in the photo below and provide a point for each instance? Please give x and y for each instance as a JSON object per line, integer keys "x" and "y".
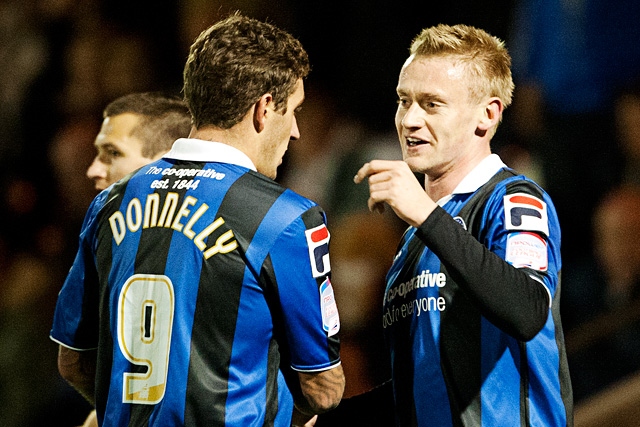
{"x": 435, "y": 119}
{"x": 283, "y": 129}
{"x": 118, "y": 152}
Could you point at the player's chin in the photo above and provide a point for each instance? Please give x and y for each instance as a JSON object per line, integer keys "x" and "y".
{"x": 273, "y": 174}
{"x": 416, "y": 164}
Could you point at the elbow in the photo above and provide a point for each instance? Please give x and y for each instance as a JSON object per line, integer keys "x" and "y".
{"x": 527, "y": 334}
{"x": 527, "y": 319}
{"x": 528, "y": 327}
{"x": 78, "y": 369}
{"x": 68, "y": 368}
{"x": 325, "y": 402}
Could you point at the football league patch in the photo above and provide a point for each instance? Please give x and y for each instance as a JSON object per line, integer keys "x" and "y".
{"x": 330, "y": 318}
{"x": 525, "y": 212}
{"x": 318, "y": 243}
{"x": 527, "y": 250}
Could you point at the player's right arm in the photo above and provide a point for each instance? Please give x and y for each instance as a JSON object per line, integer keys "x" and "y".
{"x": 78, "y": 368}
{"x": 510, "y": 297}
{"x": 76, "y": 316}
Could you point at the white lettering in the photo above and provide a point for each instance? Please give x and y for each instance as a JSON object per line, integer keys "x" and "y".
{"x": 183, "y": 212}
{"x": 415, "y": 307}
{"x": 134, "y": 214}
{"x": 151, "y": 210}
{"x": 425, "y": 279}
{"x": 134, "y": 209}
{"x": 116, "y": 220}
{"x": 169, "y": 208}
{"x": 187, "y": 231}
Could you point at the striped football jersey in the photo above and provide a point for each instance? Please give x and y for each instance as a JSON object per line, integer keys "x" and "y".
{"x": 200, "y": 283}
{"x": 460, "y": 344}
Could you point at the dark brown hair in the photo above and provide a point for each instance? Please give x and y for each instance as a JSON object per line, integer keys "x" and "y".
{"x": 163, "y": 119}
{"x": 236, "y": 61}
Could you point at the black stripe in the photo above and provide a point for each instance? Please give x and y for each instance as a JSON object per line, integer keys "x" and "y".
{"x": 279, "y": 350}
{"x": 566, "y": 389}
{"x": 244, "y": 206}
{"x": 311, "y": 219}
{"x": 404, "y": 397}
{"x": 524, "y": 385}
{"x": 151, "y": 258}
{"x": 460, "y": 352}
{"x": 460, "y": 327}
{"x": 273, "y": 365}
{"x": 104, "y": 266}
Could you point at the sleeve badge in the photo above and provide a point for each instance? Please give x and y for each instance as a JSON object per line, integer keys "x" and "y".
{"x": 527, "y": 250}
{"x": 524, "y": 212}
{"x": 330, "y": 318}
{"x": 318, "y": 243}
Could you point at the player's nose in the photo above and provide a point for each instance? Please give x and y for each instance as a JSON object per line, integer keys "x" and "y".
{"x": 295, "y": 131}
{"x": 97, "y": 170}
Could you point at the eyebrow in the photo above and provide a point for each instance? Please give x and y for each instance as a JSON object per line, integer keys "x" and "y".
{"x": 433, "y": 98}
{"x": 106, "y": 145}
{"x": 423, "y": 97}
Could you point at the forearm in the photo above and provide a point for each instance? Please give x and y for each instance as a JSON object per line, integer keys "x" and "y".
{"x": 320, "y": 392}
{"x": 79, "y": 370}
{"x": 507, "y": 296}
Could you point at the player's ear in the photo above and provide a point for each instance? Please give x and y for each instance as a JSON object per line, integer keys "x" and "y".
{"x": 491, "y": 115}
{"x": 261, "y": 111}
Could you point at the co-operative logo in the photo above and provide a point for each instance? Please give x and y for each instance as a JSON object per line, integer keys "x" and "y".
{"x": 318, "y": 243}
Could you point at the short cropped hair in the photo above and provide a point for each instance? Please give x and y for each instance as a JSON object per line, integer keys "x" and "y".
{"x": 483, "y": 56}
{"x": 163, "y": 119}
{"x": 236, "y": 61}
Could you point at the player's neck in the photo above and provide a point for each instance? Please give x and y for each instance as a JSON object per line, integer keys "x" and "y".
{"x": 237, "y": 136}
{"x": 445, "y": 182}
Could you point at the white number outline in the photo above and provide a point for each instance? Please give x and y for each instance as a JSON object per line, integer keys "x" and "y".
{"x": 142, "y": 291}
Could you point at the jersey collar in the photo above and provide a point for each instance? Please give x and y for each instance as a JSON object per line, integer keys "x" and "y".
{"x": 208, "y": 151}
{"x": 478, "y": 176}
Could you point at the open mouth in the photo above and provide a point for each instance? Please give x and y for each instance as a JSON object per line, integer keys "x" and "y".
{"x": 414, "y": 142}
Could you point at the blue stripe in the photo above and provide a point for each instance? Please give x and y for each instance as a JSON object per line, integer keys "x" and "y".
{"x": 280, "y": 215}
{"x": 254, "y": 313}
{"x": 500, "y": 365}
{"x": 122, "y": 268}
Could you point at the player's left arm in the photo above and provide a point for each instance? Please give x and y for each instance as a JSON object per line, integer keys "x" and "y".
{"x": 306, "y": 303}
{"x": 78, "y": 368}
{"x": 319, "y": 391}
{"x": 516, "y": 297}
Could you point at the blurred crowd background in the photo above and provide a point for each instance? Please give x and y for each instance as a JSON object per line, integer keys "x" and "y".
{"x": 574, "y": 127}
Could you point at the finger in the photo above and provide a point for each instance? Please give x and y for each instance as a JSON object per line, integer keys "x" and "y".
{"x": 372, "y": 168}
{"x": 362, "y": 173}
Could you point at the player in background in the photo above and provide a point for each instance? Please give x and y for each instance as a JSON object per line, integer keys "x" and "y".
{"x": 137, "y": 129}
{"x": 200, "y": 281}
{"x": 471, "y": 307}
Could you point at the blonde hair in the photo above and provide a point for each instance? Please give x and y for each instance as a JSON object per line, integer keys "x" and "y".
{"x": 484, "y": 58}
